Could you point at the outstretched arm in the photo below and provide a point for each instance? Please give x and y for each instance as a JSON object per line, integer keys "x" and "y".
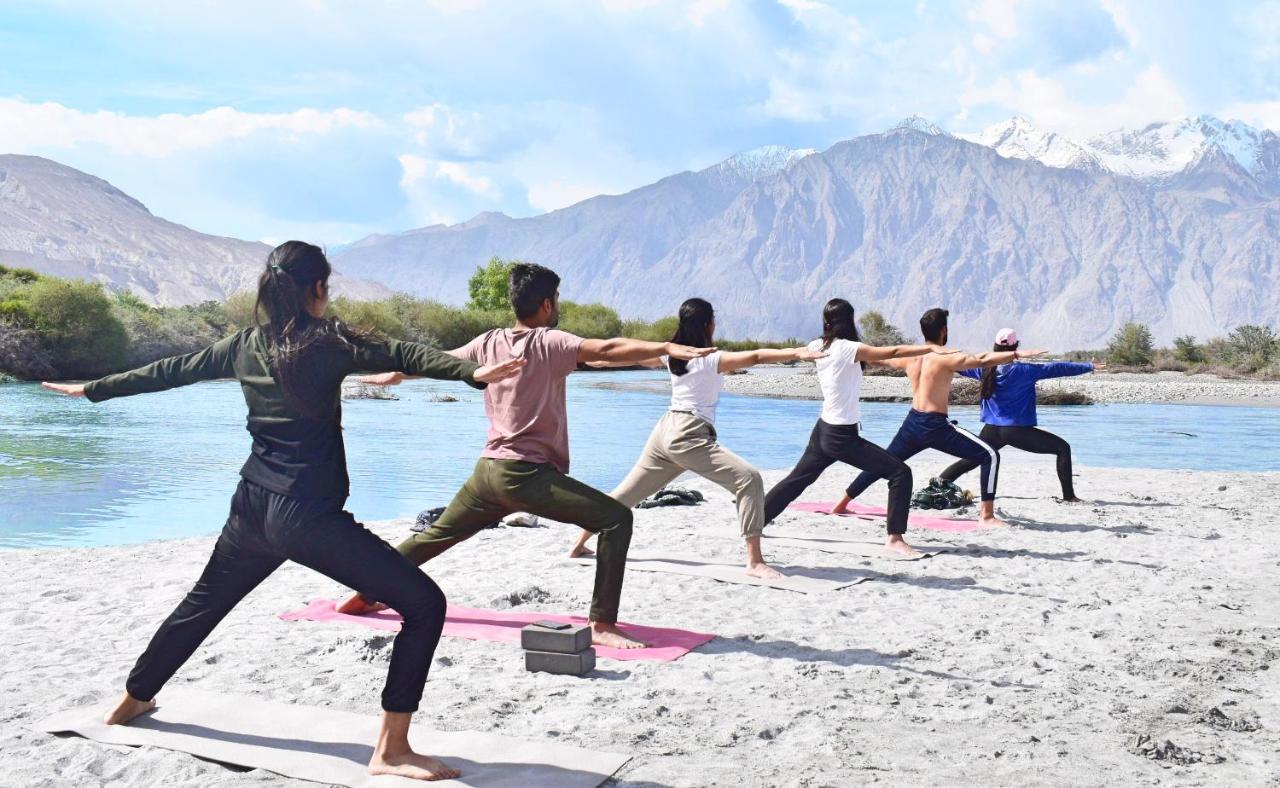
{"x": 651, "y": 363}
{"x": 399, "y": 360}
{"x": 633, "y": 350}
{"x": 730, "y": 362}
{"x": 875, "y": 354}
{"x": 1064, "y": 369}
{"x": 992, "y": 358}
{"x": 211, "y": 363}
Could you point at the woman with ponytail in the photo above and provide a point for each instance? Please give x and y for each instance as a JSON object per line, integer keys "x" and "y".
{"x": 837, "y": 435}
{"x": 289, "y": 504}
{"x": 685, "y": 438}
{"x": 1008, "y": 396}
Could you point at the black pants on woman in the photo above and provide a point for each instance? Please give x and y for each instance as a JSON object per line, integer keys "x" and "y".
{"x": 832, "y": 443}
{"x": 264, "y": 530}
{"x": 1029, "y": 439}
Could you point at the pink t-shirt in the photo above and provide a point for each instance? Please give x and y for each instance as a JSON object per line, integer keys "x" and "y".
{"x": 528, "y": 419}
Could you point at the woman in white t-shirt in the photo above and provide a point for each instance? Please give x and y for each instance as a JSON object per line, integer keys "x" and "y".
{"x": 685, "y": 437}
{"x": 836, "y": 438}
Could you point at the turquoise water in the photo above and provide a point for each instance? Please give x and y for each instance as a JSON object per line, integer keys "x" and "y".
{"x": 164, "y": 465}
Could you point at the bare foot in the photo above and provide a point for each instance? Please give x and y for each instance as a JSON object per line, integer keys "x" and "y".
{"x": 896, "y": 544}
{"x": 359, "y": 606}
{"x": 581, "y": 551}
{"x": 610, "y": 636}
{"x": 842, "y": 506}
{"x": 411, "y": 765}
{"x": 1072, "y": 499}
{"x": 128, "y": 708}
{"x": 764, "y": 572}
{"x": 991, "y": 521}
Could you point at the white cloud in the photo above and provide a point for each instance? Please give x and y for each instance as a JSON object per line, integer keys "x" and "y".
{"x": 1000, "y": 17}
{"x": 26, "y": 126}
{"x": 416, "y": 168}
{"x": 1262, "y": 114}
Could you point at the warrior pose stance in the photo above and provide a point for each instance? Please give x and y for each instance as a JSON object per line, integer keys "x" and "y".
{"x": 1009, "y": 410}
{"x": 685, "y": 438}
{"x": 289, "y": 505}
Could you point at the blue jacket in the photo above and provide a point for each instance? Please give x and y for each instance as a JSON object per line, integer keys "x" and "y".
{"x": 1014, "y": 403}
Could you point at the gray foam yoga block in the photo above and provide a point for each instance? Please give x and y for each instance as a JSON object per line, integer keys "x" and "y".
{"x": 567, "y": 664}
{"x": 540, "y": 636}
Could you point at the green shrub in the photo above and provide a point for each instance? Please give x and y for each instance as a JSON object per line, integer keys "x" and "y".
{"x": 1251, "y": 348}
{"x": 1186, "y": 350}
{"x": 1131, "y": 346}
{"x": 594, "y": 321}
{"x": 660, "y": 330}
{"x": 77, "y": 326}
{"x": 490, "y": 286}
{"x": 878, "y": 331}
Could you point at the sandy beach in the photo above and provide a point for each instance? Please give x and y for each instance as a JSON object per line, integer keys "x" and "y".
{"x": 1176, "y": 387}
{"x": 1038, "y": 654}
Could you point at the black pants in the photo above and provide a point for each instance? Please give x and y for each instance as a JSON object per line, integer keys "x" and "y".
{"x": 920, "y": 431}
{"x": 264, "y": 530}
{"x": 1029, "y": 439}
{"x": 831, "y": 443}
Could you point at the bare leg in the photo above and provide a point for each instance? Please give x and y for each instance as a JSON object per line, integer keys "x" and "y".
{"x": 393, "y": 755}
{"x": 896, "y": 544}
{"x": 357, "y": 605}
{"x": 580, "y": 548}
{"x": 842, "y": 506}
{"x": 128, "y": 708}
{"x": 756, "y": 566}
{"x": 609, "y": 635}
{"x": 987, "y": 515}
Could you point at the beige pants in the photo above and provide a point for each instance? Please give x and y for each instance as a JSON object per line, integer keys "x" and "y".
{"x": 683, "y": 442}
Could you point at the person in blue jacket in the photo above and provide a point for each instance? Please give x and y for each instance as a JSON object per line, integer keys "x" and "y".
{"x": 1009, "y": 410}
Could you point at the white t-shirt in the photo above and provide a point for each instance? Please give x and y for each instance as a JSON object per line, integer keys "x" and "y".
{"x": 698, "y": 390}
{"x": 840, "y": 376}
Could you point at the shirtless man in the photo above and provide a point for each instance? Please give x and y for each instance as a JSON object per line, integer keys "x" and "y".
{"x": 525, "y": 463}
{"x": 927, "y": 425}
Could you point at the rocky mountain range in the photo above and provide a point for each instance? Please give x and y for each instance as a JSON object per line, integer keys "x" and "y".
{"x": 58, "y": 220}
{"x": 1176, "y": 225}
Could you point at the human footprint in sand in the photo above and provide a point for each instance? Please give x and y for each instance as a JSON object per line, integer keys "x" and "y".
{"x": 525, "y": 463}
{"x": 685, "y": 438}
{"x": 288, "y": 506}
{"x": 927, "y": 425}
{"x": 836, "y": 437}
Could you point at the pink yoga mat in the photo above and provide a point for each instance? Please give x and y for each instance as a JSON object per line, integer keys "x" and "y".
{"x": 866, "y": 512}
{"x": 503, "y": 626}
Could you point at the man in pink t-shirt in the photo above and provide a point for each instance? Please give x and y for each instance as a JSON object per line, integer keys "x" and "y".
{"x": 525, "y": 463}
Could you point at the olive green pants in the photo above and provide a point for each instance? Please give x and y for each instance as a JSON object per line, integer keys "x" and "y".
{"x": 498, "y": 488}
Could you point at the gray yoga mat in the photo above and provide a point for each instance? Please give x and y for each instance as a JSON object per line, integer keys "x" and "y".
{"x": 784, "y": 537}
{"x": 803, "y": 580}
{"x": 330, "y": 746}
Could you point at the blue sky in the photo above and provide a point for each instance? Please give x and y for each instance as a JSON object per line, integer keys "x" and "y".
{"x": 332, "y": 120}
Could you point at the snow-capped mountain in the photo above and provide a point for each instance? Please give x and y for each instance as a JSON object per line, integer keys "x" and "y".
{"x": 763, "y": 161}
{"x": 1154, "y": 151}
{"x": 1016, "y": 138}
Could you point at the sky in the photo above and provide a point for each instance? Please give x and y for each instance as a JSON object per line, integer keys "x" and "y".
{"x": 329, "y": 121}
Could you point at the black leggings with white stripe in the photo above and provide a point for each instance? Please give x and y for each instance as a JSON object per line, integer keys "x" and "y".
{"x": 1029, "y": 439}
{"x": 920, "y": 431}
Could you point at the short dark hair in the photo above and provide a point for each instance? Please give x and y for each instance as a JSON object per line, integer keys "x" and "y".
{"x": 530, "y": 285}
{"x": 933, "y": 323}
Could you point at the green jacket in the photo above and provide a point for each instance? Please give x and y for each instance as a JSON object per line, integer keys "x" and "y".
{"x": 292, "y": 454}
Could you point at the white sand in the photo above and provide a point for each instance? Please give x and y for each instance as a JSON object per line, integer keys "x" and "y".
{"x": 800, "y": 383}
{"x": 1032, "y": 655}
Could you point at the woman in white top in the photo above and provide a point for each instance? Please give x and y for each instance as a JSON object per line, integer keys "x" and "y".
{"x": 685, "y": 438}
{"x": 836, "y": 438}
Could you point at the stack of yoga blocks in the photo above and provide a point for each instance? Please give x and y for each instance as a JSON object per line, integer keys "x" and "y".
{"x": 553, "y": 647}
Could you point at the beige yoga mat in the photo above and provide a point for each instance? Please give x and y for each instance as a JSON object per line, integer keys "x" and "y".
{"x": 787, "y": 537}
{"x": 330, "y": 746}
{"x": 801, "y": 579}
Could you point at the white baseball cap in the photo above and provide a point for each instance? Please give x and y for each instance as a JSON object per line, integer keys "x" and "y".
{"x": 1006, "y": 336}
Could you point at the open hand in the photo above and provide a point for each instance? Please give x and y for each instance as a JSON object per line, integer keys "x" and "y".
{"x": 70, "y": 389}
{"x": 492, "y": 373}
{"x": 686, "y": 353}
{"x": 805, "y": 354}
{"x": 383, "y": 379}
{"x": 1098, "y": 366}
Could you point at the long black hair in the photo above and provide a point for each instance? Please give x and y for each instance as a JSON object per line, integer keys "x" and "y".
{"x": 989, "y": 374}
{"x": 294, "y": 269}
{"x": 838, "y": 322}
{"x": 694, "y": 330}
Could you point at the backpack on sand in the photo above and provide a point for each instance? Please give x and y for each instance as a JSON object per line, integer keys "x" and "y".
{"x": 941, "y": 494}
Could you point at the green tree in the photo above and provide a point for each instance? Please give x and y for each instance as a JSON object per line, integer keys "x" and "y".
{"x": 490, "y": 286}
{"x": 594, "y": 321}
{"x": 1251, "y": 348}
{"x": 1131, "y": 346}
{"x": 1186, "y": 350}
{"x": 75, "y": 322}
{"x": 878, "y": 331}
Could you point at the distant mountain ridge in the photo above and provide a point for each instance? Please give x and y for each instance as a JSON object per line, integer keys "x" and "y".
{"x": 1016, "y": 228}
{"x": 60, "y": 221}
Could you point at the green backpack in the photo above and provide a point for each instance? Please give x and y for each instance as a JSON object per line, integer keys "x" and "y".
{"x": 941, "y": 494}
